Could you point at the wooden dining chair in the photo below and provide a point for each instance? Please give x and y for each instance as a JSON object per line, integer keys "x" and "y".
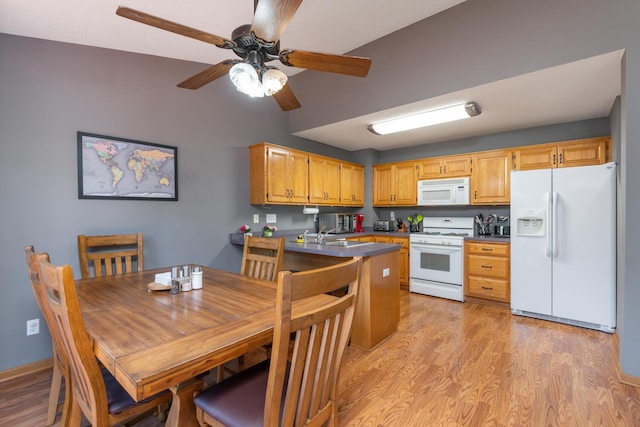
{"x": 109, "y": 255}
{"x": 262, "y": 257}
{"x": 60, "y": 368}
{"x": 301, "y": 388}
{"x": 94, "y": 391}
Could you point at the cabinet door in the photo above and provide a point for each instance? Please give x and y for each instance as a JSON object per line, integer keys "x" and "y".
{"x": 351, "y": 185}
{"x": 278, "y": 165}
{"x": 324, "y": 181}
{"x": 529, "y": 158}
{"x": 404, "y": 258}
{"x": 456, "y": 166}
{"x": 383, "y": 185}
{"x": 405, "y": 185}
{"x": 358, "y": 185}
{"x": 298, "y": 177}
{"x": 490, "y": 177}
{"x": 429, "y": 168}
{"x": 583, "y": 152}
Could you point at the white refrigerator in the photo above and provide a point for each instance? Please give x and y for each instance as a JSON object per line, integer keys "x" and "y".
{"x": 563, "y": 245}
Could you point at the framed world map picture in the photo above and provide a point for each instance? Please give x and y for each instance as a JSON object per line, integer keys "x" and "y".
{"x": 118, "y": 168}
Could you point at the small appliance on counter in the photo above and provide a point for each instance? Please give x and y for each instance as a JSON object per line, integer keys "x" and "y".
{"x": 359, "y": 221}
{"x": 382, "y": 225}
{"x": 502, "y": 230}
{"x": 337, "y": 223}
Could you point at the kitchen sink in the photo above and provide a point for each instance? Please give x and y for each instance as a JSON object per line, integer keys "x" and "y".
{"x": 343, "y": 243}
{"x": 347, "y": 243}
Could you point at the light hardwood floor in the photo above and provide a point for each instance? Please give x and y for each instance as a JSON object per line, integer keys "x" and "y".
{"x": 452, "y": 364}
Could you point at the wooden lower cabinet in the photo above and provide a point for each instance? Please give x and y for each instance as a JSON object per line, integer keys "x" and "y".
{"x": 404, "y": 256}
{"x": 487, "y": 273}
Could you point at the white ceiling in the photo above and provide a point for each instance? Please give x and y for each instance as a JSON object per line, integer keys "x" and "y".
{"x": 581, "y": 90}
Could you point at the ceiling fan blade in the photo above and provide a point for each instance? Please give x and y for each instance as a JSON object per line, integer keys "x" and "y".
{"x": 341, "y": 64}
{"x": 272, "y": 17}
{"x": 183, "y": 30}
{"x": 207, "y": 76}
{"x": 286, "y": 99}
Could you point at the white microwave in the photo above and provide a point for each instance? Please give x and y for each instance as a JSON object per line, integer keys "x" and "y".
{"x": 443, "y": 192}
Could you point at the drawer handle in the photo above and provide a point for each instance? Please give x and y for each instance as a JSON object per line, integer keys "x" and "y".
{"x": 486, "y": 266}
{"x": 487, "y": 249}
{"x": 487, "y": 288}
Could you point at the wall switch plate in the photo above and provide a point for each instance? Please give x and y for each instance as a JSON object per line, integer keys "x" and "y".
{"x": 33, "y": 327}
{"x": 385, "y": 272}
{"x": 392, "y": 216}
{"x": 256, "y": 218}
{"x": 271, "y": 218}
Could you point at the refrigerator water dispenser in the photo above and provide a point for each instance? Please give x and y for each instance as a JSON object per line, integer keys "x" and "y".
{"x": 531, "y": 223}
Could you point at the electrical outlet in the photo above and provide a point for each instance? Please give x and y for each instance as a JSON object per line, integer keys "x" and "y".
{"x": 271, "y": 218}
{"x": 256, "y": 218}
{"x": 33, "y": 327}
{"x": 385, "y": 272}
{"x": 392, "y": 216}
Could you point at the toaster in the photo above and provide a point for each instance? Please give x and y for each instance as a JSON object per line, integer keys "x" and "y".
{"x": 382, "y": 225}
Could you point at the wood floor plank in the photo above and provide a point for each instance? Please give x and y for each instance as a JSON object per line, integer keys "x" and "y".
{"x": 450, "y": 364}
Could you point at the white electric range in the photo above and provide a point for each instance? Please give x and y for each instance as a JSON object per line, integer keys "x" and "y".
{"x": 437, "y": 257}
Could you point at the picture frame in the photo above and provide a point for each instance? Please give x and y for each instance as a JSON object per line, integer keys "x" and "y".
{"x": 116, "y": 168}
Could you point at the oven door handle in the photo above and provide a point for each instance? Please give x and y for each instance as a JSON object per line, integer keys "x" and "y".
{"x": 436, "y": 249}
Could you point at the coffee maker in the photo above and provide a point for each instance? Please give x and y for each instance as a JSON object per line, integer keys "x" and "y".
{"x": 359, "y": 221}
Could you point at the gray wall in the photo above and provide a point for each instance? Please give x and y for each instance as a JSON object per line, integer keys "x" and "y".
{"x": 48, "y": 91}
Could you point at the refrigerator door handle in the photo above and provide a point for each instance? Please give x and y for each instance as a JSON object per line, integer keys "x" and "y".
{"x": 554, "y": 225}
{"x": 548, "y": 225}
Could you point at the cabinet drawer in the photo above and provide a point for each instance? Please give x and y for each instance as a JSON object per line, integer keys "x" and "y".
{"x": 488, "y": 266}
{"x": 401, "y": 241}
{"x": 498, "y": 249}
{"x": 495, "y": 289}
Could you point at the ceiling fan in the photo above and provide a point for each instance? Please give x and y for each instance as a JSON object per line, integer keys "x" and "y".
{"x": 257, "y": 44}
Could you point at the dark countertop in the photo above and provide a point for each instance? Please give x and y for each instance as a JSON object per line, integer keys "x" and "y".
{"x": 365, "y": 250}
{"x": 489, "y": 238}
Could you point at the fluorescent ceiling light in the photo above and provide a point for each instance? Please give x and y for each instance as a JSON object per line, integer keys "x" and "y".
{"x": 427, "y": 118}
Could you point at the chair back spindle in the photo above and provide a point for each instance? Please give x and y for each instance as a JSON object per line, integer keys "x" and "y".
{"x": 110, "y": 255}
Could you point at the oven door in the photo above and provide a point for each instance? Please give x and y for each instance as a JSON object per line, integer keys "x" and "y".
{"x": 438, "y": 263}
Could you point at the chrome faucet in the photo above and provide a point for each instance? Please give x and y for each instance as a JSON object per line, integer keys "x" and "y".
{"x": 304, "y": 236}
{"x": 321, "y": 236}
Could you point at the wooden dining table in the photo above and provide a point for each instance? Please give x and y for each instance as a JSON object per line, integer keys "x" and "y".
{"x": 154, "y": 341}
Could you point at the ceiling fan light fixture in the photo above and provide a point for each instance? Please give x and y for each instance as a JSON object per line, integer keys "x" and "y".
{"x": 245, "y": 78}
{"x": 426, "y": 118}
{"x": 273, "y": 80}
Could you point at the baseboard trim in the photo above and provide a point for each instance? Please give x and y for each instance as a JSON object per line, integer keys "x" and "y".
{"x": 622, "y": 377}
{"x": 629, "y": 380}
{"x": 30, "y": 368}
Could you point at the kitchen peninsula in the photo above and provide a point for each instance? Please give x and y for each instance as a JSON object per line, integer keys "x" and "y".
{"x": 378, "y": 306}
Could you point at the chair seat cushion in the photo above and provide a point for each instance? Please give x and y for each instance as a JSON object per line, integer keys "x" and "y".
{"x": 238, "y": 401}
{"x": 117, "y": 397}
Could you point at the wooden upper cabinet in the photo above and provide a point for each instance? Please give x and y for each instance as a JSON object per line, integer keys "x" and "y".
{"x": 582, "y": 152}
{"x": 395, "y": 184}
{"x": 351, "y": 184}
{"x": 490, "y": 177}
{"x": 444, "y": 167}
{"x": 278, "y": 175}
{"x": 284, "y": 176}
{"x": 324, "y": 180}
